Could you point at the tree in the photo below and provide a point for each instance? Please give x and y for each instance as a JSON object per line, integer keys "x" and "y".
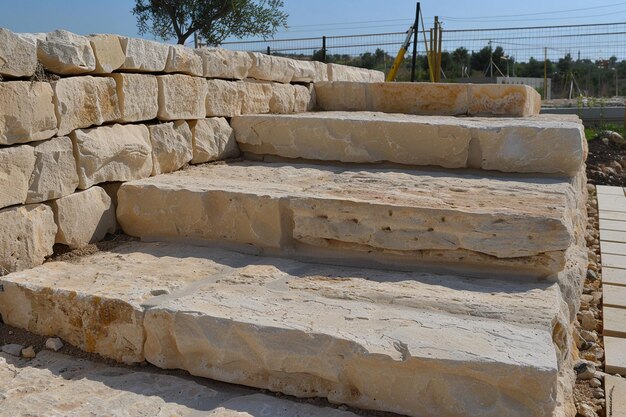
{"x": 213, "y": 20}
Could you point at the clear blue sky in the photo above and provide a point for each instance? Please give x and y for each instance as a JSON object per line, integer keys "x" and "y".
{"x": 323, "y": 17}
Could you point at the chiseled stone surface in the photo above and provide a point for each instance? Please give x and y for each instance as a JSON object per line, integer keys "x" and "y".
{"x": 112, "y": 153}
{"x": 213, "y": 139}
{"x": 354, "y": 335}
{"x": 304, "y": 99}
{"x": 183, "y": 60}
{"x": 82, "y": 102}
{"x": 305, "y": 72}
{"x": 66, "y": 53}
{"x": 83, "y": 217}
{"x": 181, "y": 97}
{"x": 271, "y": 68}
{"x": 27, "y": 236}
{"x": 138, "y": 96}
{"x": 26, "y": 112}
{"x": 56, "y": 384}
{"x": 54, "y": 175}
{"x": 283, "y": 98}
{"x": 108, "y": 52}
{"x": 172, "y": 146}
{"x": 143, "y": 55}
{"x": 18, "y": 58}
{"x": 255, "y": 97}
{"x": 503, "y": 99}
{"x": 418, "y": 98}
{"x": 337, "y": 72}
{"x": 418, "y": 216}
{"x": 16, "y": 166}
{"x": 224, "y": 63}
{"x": 510, "y": 145}
{"x": 223, "y": 98}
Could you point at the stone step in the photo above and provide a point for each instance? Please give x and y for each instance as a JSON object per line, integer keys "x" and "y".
{"x": 367, "y": 338}
{"x": 347, "y": 214}
{"x": 530, "y": 145}
{"x": 429, "y": 98}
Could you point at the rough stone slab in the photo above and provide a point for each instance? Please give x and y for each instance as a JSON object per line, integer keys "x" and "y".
{"x": 612, "y": 236}
{"x": 304, "y": 99}
{"x": 143, "y": 55}
{"x": 112, "y": 153}
{"x": 271, "y": 68}
{"x": 428, "y": 98}
{"x": 84, "y": 217}
{"x": 54, "y": 174}
{"x": 18, "y": 57}
{"x": 612, "y": 215}
{"x": 614, "y": 322}
{"x": 213, "y": 139}
{"x": 321, "y": 70}
{"x": 613, "y": 261}
{"x": 510, "y": 145}
{"x": 610, "y": 190}
{"x": 181, "y": 97}
{"x": 337, "y": 72}
{"x": 108, "y": 52}
{"x": 614, "y": 296}
{"x": 223, "y": 98}
{"x": 305, "y": 72}
{"x": 614, "y": 276}
{"x": 615, "y": 387}
{"x": 255, "y": 97}
{"x": 613, "y": 248}
{"x": 614, "y": 225}
{"x": 461, "y": 216}
{"x": 183, "y": 60}
{"x": 16, "y": 167}
{"x": 172, "y": 146}
{"x": 66, "y": 53}
{"x": 26, "y": 112}
{"x": 224, "y": 63}
{"x": 82, "y": 102}
{"x": 283, "y": 98}
{"x": 614, "y": 355}
{"x": 27, "y": 236}
{"x": 503, "y": 99}
{"x": 138, "y": 96}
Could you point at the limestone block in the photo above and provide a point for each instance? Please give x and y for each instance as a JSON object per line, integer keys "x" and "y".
{"x": 418, "y": 98}
{"x": 112, "y": 153}
{"x": 172, "y": 146}
{"x": 181, "y": 97}
{"x": 376, "y": 76}
{"x": 55, "y": 173}
{"x": 27, "y": 236}
{"x": 305, "y": 72}
{"x": 224, "y": 63}
{"x": 255, "y": 97}
{"x": 26, "y": 112}
{"x": 108, "y": 52}
{"x": 304, "y": 99}
{"x": 283, "y": 98}
{"x": 271, "y": 68}
{"x": 83, "y": 217}
{"x": 213, "y": 139}
{"x": 321, "y": 71}
{"x": 223, "y": 98}
{"x": 16, "y": 166}
{"x": 82, "y": 102}
{"x": 503, "y": 99}
{"x": 66, "y": 53}
{"x": 183, "y": 60}
{"x": 342, "y": 96}
{"x": 111, "y": 189}
{"x": 337, "y": 72}
{"x": 143, "y": 55}
{"x": 18, "y": 57}
{"x": 138, "y": 96}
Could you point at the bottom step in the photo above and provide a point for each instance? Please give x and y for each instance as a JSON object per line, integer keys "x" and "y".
{"x": 411, "y": 343}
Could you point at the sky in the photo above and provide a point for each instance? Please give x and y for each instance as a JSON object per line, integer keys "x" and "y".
{"x": 311, "y": 18}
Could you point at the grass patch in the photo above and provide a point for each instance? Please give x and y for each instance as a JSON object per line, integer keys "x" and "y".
{"x": 592, "y": 132}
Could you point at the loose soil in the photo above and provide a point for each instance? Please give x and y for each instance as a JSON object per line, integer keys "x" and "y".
{"x": 605, "y": 163}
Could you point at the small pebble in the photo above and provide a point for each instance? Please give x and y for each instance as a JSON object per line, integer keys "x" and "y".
{"x": 595, "y": 383}
{"x": 592, "y": 275}
{"x": 587, "y": 320}
{"x": 585, "y": 410}
{"x": 54, "y": 343}
{"x": 598, "y": 393}
{"x": 12, "y": 349}
{"x": 584, "y": 369}
{"x": 29, "y": 352}
{"x": 589, "y": 336}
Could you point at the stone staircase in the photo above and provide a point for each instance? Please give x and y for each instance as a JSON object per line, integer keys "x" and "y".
{"x": 417, "y": 263}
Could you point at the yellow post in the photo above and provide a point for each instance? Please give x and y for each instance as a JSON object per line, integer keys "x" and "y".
{"x": 545, "y": 73}
{"x": 439, "y": 50}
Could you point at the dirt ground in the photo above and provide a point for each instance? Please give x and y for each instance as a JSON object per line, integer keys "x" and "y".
{"x": 606, "y": 162}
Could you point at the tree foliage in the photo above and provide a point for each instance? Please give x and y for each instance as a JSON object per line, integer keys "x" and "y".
{"x": 213, "y": 20}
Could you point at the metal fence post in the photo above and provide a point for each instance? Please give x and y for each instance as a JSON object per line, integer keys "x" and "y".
{"x": 323, "y": 48}
{"x": 269, "y": 51}
{"x": 415, "y": 29}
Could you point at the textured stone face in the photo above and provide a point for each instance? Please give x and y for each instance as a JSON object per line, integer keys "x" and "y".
{"x": 181, "y": 97}
{"x": 337, "y": 72}
{"x": 224, "y": 63}
{"x": 223, "y": 98}
{"x": 283, "y": 98}
{"x": 82, "y": 102}
{"x": 304, "y": 99}
{"x": 304, "y": 72}
{"x": 255, "y": 97}
{"x": 503, "y": 99}
{"x": 213, "y": 139}
{"x": 108, "y": 52}
{"x": 84, "y": 217}
{"x": 271, "y": 68}
{"x": 18, "y": 58}
{"x": 27, "y": 236}
{"x": 143, "y": 55}
{"x": 66, "y": 53}
{"x": 418, "y": 98}
{"x": 55, "y": 174}
{"x": 171, "y": 146}
{"x": 112, "y": 153}
{"x": 138, "y": 96}
{"x": 16, "y": 166}
{"x": 26, "y": 112}
{"x": 183, "y": 60}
